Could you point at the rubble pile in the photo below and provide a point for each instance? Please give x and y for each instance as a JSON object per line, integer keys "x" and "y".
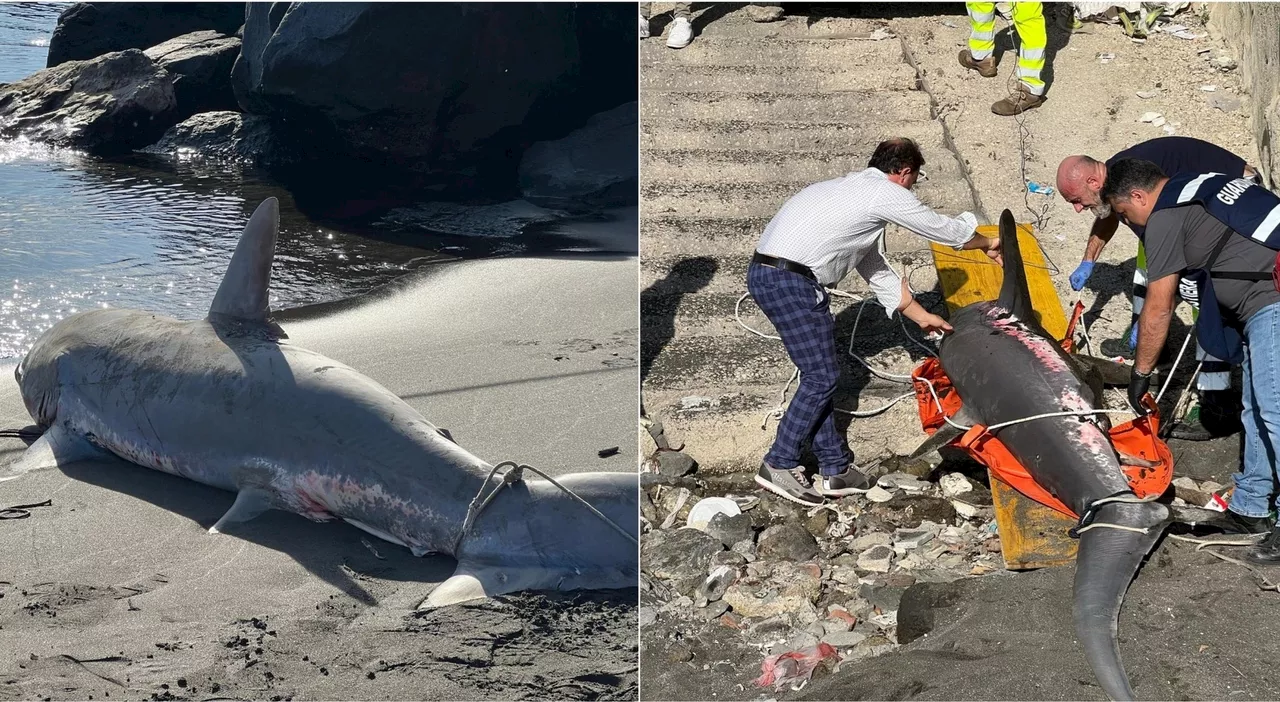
{"x": 788, "y": 578}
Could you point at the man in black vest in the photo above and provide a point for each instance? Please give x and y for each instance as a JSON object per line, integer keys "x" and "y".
{"x": 1184, "y": 239}
{"x": 1080, "y": 178}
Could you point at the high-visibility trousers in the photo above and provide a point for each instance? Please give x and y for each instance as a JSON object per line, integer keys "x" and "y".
{"x": 1028, "y": 21}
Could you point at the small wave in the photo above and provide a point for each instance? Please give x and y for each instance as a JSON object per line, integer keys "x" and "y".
{"x": 38, "y": 41}
{"x": 22, "y": 149}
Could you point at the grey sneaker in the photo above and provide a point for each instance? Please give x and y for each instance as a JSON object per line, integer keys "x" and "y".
{"x": 790, "y": 484}
{"x": 850, "y": 482}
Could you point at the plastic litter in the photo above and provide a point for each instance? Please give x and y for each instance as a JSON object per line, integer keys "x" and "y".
{"x": 1208, "y": 88}
{"x": 1039, "y": 189}
{"x": 702, "y": 512}
{"x": 1106, "y": 57}
{"x": 794, "y": 669}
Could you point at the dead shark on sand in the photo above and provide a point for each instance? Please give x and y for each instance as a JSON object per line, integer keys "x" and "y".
{"x": 228, "y": 402}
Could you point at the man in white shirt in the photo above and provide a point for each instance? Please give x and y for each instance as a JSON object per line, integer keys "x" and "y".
{"x": 815, "y": 239}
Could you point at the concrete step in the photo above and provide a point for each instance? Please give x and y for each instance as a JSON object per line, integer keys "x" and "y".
{"x": 762, "y": 200}
{"x": 789, "y": 137}
{"x": 746, "y": 166}
{"x": 715, "y": 50}
{"x": 777, "y": 79}
{"x": 674, "y": 237}
{"x": 751, "y": 361}
{"x": 681, "y": 273}
{"x": 735, "y": 23}
{"x": 728, "y": 436}
{"x": 665, "y": 109}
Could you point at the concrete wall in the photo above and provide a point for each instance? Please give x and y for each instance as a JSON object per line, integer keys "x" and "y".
{"x": 1253, "y": 32}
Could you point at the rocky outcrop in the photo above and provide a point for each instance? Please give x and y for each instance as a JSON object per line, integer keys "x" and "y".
{"x": 1250, "y": 29}
{"x": 225, "y": 136}
{"x": 596, "y": 165}
{"x": 112, "y": 103}
{"x": 89, "y": 30}
{"x": 200, "y": 63}
{"x": 432, "y": 87}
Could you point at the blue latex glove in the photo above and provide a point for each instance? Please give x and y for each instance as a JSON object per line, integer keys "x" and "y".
{"x": 1133, "y": 337}
{"x": 1081, "y": 275}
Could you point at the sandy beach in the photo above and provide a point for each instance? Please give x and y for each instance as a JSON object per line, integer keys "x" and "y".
{"x": 116, "y": 591}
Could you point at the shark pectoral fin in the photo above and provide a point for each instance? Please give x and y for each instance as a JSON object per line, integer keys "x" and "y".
{"x": 57, "y": 446}
{"x": 250, "y": 502}
{"x": 243, "y": 291}
{"x": 945, "y": 434}
{"x": 473, "y": 581}
{"x": 462, "y": 587}
{"x": 476, "y": 582}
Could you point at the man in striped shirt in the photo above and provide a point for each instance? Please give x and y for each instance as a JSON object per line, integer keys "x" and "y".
{"x": 818, "y": 236}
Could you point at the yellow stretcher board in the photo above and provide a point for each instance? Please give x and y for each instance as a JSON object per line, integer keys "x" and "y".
{"x": 1031, "y": 535}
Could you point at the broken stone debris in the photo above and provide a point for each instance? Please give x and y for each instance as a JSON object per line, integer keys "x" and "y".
{"x": 787, "y": 578}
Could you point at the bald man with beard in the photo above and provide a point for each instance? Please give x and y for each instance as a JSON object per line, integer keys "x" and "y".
{"x": 1080, "y": 181}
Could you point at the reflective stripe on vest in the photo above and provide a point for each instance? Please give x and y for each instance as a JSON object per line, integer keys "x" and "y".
{"x": 1247, "y": 208}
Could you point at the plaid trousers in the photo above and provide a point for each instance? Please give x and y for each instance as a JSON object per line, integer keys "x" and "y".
{"x": 800, "y": 311}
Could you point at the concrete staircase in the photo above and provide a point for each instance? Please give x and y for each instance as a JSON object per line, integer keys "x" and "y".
{"x": 732, "y": 126}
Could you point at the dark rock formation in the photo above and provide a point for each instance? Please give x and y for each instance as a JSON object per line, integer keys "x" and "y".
{"x": 228, "y": 136}
{"x": 455, "y": 88}
{"x": 200, "y": 63}
{"x": 596, "y": 165}
{"x": 89, "y": 30}
{"x": 112, "y": 103}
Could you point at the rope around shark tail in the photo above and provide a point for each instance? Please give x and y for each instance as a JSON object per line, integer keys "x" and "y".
{"x": 513, "y": 475}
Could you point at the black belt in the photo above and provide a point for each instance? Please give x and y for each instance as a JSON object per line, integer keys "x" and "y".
{"x": 783, "y": 264}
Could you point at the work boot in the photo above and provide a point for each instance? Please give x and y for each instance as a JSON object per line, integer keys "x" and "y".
{"x": 1189, "y": 427}
{"x": 985, "y": 68}
{"x": 1235, "y": 523}
{"x": 790, "y": 484}
{"x": 681, "y": 33}
{"x": 644, "y": 27}
{"x": 1267, "y": 552}
{"x": 1019, "y": 101}
{"x": 764, "y": 12}
{"x": 850, "y": 482}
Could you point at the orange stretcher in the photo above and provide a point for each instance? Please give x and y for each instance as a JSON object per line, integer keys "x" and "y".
{"x": 1138, "y": 438}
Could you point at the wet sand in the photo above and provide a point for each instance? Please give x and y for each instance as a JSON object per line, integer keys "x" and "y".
{"x": 116, "y": 591}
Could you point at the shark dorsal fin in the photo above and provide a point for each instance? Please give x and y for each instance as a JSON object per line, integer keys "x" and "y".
{"x": 244, "y": 288}
{"x": 1014, "y": 293}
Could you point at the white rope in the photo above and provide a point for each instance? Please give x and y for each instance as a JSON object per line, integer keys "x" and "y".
{"x": 1174, "y": 369}
{"x": 777, "y": 412}
{"x": 515, "y": 474}
{"x": 1123, "y": 499}
{"x": 1201, "y": 544}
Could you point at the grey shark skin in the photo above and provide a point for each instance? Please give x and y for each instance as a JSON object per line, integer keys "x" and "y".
{"x": 1005, "y": 367}
{"x": 228, "y": 402}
